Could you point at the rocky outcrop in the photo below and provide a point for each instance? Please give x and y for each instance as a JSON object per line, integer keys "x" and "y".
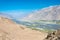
{"x": 53, "y": 36}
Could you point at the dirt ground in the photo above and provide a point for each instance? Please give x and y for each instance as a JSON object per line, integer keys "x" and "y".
{"x": 12, "y": 31}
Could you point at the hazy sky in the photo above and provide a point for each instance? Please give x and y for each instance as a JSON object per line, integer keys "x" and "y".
{"x": 23, "y": 6}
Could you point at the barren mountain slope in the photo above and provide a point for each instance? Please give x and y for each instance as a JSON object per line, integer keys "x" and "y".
{"x": 12, "y": 31}
{"x": 48, "y": 13}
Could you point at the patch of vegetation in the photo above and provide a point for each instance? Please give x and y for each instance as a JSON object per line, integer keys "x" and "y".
{"x": 48, "y": 21}
{"x": 39, "y": 29}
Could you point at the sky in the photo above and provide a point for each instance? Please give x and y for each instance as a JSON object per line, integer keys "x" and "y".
{"x": 23, "y": 7}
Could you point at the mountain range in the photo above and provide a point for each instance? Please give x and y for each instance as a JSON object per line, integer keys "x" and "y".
{"x": 46, "y": 18}
{"x": 48, "y": 13}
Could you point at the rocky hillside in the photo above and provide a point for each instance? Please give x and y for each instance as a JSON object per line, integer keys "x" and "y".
{"x": 53, "y": 36}
{"x": 48, "y": 13}
{"x": 9, "y": 30}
